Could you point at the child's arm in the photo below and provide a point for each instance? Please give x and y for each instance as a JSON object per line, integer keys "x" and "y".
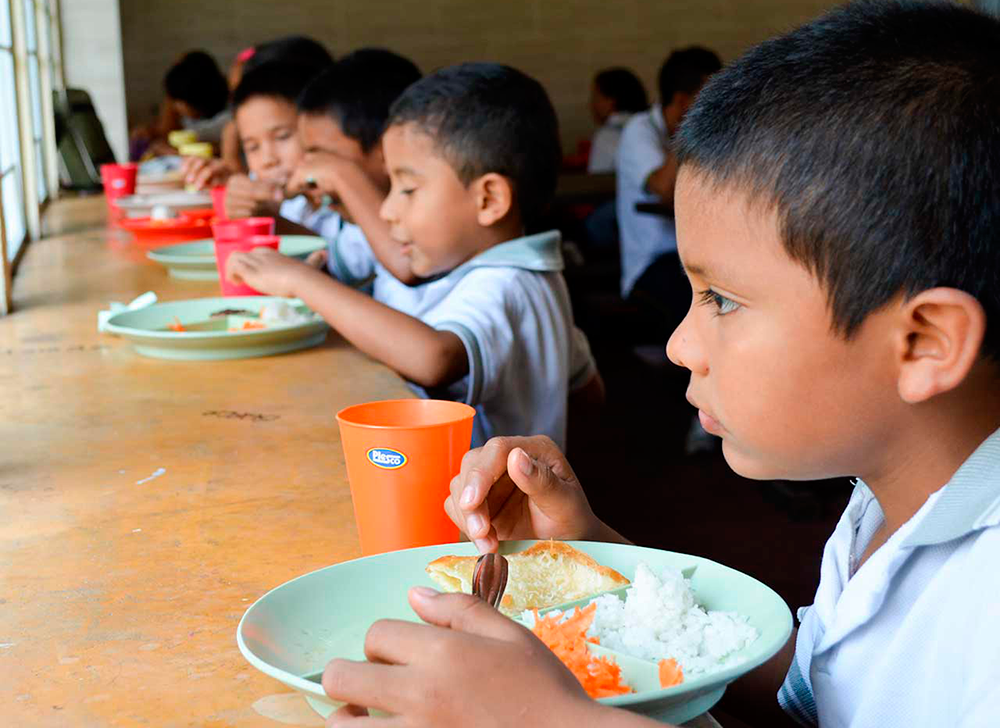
{"x": 345, "y": 181}
{"x": 662, "y": 180}
{"x": 522, "y": 488}
{"x": 469, "y": 666}
{"x": 424, "y": 355}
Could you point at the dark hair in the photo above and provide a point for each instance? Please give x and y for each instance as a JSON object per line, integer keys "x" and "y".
{"x": 298, "y": 50}
{"x": 685, "y": 71}
{"x": 485, "y": 117}
{"x": 196, "y": 80}
{"x": 873, "y": 133}
{"x": 358, "y": 90}
{"x": 276, "y": 80}
{"x": 624, "y": 87}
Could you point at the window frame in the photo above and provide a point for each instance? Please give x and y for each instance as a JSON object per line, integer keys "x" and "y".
{"x": 38, "y": 159}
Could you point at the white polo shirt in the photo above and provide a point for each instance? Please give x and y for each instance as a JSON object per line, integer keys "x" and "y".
{"x": 912, "y": 639}
{"x": 604, "y": 143}
{"x": 322, "y": 221}
{"x": 644, "y": 237}
{"x": 510, "y": 307}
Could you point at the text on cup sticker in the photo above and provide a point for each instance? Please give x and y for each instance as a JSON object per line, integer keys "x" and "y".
{"x": 386, "y": 458}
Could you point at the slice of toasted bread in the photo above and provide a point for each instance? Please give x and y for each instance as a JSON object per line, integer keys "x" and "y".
{"x": 547, "y": 574}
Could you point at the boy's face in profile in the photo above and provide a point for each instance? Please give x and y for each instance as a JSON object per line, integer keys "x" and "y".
{"x": 790, "y": 398}
{"x": 268, "y": 130}
{"x": 319, "y": 133}
{"x": 431, "y": 213}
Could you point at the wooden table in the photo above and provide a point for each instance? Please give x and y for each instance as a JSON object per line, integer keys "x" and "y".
{"x": 579, "y": 187}
{"x": 144, "y": 504}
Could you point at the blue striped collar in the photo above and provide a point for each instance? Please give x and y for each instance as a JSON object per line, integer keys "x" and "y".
{"x": 969, "y": 502}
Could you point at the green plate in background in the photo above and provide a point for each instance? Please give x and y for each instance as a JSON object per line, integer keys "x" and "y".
{"x": 291, "y": 632}
{"x": 195, "y": 261}
{"x": 208, "y": 337}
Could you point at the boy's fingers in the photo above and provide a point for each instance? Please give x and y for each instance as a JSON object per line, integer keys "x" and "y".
{"x": 363, "y": 683}
{"x": 360, "y": 719}
{"x": 459, "y": 612}
{"x": 533, "y": 477}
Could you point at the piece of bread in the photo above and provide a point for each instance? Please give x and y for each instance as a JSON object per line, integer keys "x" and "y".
{"x": 547, "y": 574}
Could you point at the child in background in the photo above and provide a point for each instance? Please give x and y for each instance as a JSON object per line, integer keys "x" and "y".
{"x": 341, "y": 118}
{"x": 472, "y": 153}
{"x": 301, "y": 56}
{"x": 267, "y": 123}
{"x": 837, "y": 211}
{"x": 615, "y": 96}
{"x": 196, "y": 98}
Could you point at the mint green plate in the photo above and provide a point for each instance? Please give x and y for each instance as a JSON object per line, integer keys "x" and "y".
{"x": 291, "y": 632}
{"x": 195, "y": 261}
{"x": 209, "y": 337}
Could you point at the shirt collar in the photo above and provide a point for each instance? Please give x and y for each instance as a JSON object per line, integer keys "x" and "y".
{"x": 969, "y": 502}
{"x": 540, "y": 252}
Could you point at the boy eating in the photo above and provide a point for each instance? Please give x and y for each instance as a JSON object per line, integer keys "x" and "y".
{"x": 837, "y": 206}
{"x": 472, "y": 154}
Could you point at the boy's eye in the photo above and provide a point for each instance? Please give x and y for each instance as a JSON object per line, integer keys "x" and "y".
{"x": 722, "y": 304}
{"x": 408, "y": 191}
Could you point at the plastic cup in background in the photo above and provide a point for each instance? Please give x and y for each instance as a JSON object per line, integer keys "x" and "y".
{"x": 242, "y": 227}
{"x": 401, "y": 456}
{"x": 119, "y": 181}
{"x": 179, "y": 137}
{"x": 225, "y": 248}
{"x": 219, "y": 202}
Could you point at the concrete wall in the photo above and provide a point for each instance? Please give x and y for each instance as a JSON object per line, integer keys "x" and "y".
{"x": 560, "y": 42}
{"x": 92, "y": 60}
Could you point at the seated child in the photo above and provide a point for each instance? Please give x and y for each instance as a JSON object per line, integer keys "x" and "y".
{"x": 472, "y": 153}
{"x": 837, "y": 206}
{"x": 267, "y": 124}
{"x": 341, "y": 117}
{"x": 616, "y": 95}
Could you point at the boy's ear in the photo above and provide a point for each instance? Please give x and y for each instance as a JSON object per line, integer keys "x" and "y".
{"x": 941, "y": 333}
{"x": 494, "y": 196}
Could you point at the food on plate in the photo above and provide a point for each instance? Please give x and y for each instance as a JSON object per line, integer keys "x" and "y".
{"x": 231, "y": 312}
{"x": 281, "y": 312}
{"x": 601, "y": 677}
{"x": 544, "y": 575}
{"x": 176, "y": 325}
{"x": 659, "y": 620}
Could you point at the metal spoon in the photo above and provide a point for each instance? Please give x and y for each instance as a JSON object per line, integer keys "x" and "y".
{"x": 489, "y": 580}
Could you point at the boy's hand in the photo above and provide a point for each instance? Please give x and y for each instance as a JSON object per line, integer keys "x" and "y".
{"x": 520, "y": 488}
{"x": 247, "y": 197}
{"x": 471, "y": 667}
{"x": 316, "y": 176}
{"x": 268, "y": 271}
{"x": 318, "y": 259}
{"x": 202, "y": 173}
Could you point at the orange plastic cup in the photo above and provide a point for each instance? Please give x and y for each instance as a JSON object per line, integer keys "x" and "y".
{"x": 225, "y": 248}
{"x": 219, "y": 202}
{"x": 242, "y": 227}
{"x": 119, "y": 181}
{"x": 401, "y": 456}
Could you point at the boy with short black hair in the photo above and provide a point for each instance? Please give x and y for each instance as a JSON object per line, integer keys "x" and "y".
{"x": 472, "y": 153}
{"x": 837, "y": 206}
{"x": 342, "y": 114}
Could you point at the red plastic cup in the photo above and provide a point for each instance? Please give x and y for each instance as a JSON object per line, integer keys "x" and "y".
{"x": 401, "y": 456}
{"x": 119, "y": 181}
{"x": 219, "y": 202}
{"x": 243, "y": 227}
{"x": 225, "y": 248}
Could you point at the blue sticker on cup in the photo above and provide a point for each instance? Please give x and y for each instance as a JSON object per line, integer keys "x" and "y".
{"x": 386, "y": 458}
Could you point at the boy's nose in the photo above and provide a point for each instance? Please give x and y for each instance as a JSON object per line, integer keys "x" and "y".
{"x": 385, "y": 211}
{"x": 683, "y": 348}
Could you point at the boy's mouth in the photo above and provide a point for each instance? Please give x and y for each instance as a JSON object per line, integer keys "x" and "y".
{"x": 711, "y": 425}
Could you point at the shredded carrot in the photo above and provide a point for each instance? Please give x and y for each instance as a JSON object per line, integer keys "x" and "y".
{"x": 670, "y": 673}
{"x": 600, "y": 677}
{"x": 249, "y": 325}
{"x": 176, "y": 325}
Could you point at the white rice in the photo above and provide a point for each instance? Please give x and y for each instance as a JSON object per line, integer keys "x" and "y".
{"x": 660, "y": 618}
